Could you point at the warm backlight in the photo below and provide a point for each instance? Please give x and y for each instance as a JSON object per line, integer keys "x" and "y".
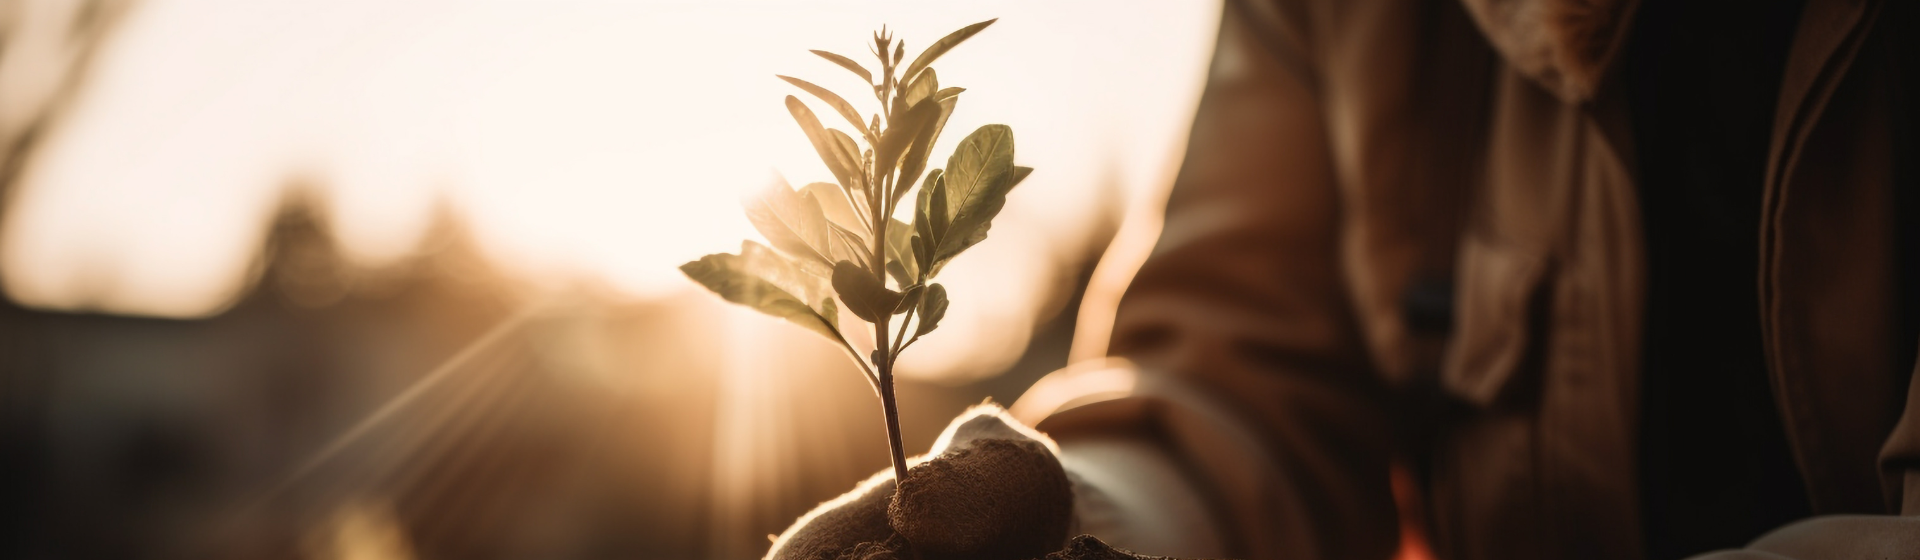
{"x": 603, "y": 142}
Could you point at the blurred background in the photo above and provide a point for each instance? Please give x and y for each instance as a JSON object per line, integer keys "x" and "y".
{"x": 386, "y": 279}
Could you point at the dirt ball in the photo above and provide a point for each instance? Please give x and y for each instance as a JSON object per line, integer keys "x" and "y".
{"x": 995, "y": 500}
{"x": 894, "y": 548}
{"x": 831, "y": 533}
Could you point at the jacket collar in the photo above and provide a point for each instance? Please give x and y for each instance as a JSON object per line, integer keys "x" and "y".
{"x": 1565, "y": 46}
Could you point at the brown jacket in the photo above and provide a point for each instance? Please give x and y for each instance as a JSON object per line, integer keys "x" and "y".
{"x": 1351, "y": 157}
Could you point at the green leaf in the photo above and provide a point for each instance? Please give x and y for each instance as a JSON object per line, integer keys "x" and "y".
{"x": 846, "y": 168}
{"x": 765, "y": 281}
{"x": 933, "y": 308}
{"x": 923, "y": 222}
{"x": 937, "y": 208}
{"x": 926, "y": 190}
{"x": 834, "y": 203}
{"x": 942, "y": 46}
{"x": 922, "y": 88}
{"x": 846, "y": 146}
{"x": 786, "y": 273}
{"x": 974, "y": 235}
{"x": 849, "y": 231}
{"x": 900, "y": 260}
{"x": 831, "y": 314}
{"x": 848, "y": 151}
{"x": 863, "y": 293}
{"x": 794, "y": 224}
{"x": 916, "y": 158}
{"x": 898, "y": 270}
{"x": 899, "y": 134}
{"x": 1019, "y": 174}
{"x": 848, "y": 64}
{"x": 976, "y": 182}
{"x": 909, "y": 299}
{"x": 921, "y": 254}
{"x": 845, "y": 109}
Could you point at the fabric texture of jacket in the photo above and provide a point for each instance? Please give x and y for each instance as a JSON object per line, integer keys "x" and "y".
{"x": 1406, "y": 232}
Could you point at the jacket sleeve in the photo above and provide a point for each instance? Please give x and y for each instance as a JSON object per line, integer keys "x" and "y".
{"x": 1239, "y": 323}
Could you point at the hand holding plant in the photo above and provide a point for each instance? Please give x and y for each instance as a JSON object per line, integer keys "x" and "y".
{"x": 992, "y": 489}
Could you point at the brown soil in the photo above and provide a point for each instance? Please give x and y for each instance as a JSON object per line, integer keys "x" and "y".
{"x": 996, "y": 499}
{"x": 1086, "y": 547}
{"x": 861, "y": 520}
{"x": 894, "y": 548}
{"x": 1083, "y": 547}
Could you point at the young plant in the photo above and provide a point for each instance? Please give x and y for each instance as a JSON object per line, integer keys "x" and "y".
{"x": 843, "y": 240}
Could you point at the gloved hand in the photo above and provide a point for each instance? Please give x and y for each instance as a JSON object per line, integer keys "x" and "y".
{"x": 993, "y": 489}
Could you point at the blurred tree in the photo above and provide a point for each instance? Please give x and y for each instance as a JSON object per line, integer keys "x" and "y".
{"x": 47, "y": 48}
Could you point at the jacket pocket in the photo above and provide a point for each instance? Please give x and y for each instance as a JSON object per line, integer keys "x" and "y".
{"x": 1499, "y": 285}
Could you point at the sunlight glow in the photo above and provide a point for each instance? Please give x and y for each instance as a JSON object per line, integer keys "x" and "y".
{"x": 583, "y": 141}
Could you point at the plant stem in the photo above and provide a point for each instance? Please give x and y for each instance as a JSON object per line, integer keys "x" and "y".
{"x": 900, "y": 337}
{"x": 890, "y": 407}
{"x": 883, "y": 361}
{"x": 879, "y": 193}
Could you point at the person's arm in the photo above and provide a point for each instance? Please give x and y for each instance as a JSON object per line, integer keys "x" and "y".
{"x": 1252, "y": 372}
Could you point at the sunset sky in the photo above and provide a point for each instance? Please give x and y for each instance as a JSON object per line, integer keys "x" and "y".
{"x": 584, "y": 141}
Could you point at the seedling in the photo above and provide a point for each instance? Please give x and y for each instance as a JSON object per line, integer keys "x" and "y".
{"x": 842, "y": 240}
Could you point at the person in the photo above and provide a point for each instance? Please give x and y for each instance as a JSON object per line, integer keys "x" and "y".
{"x": 1599, "y": 278}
